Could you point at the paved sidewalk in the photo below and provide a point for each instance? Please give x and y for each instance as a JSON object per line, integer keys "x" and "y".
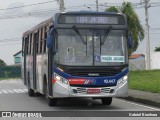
{"x": 144, "y": 97}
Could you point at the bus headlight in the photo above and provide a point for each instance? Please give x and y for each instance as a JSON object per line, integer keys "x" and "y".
{"x": 57, "y": 77}
{"x": 65, "y": 81}
{"x": 61, "y": 79}
{"x": 121, "y": 81}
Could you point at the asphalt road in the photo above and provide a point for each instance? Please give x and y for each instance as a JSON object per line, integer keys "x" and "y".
{"x": 14, "y": 97}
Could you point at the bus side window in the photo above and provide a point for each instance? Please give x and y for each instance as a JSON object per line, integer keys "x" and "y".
{"x": 29, "y": 44}
{"x": 26, "y": 44}
{"x": 30, "y": 51}
{"x": 23, "y": 46}
{"x": 43, "y": 30}
{"x": 37, "y": 38}
{"x": 32, "y": 43}
{"x": 41, "y": 40}
{"x": 45, "y": 38}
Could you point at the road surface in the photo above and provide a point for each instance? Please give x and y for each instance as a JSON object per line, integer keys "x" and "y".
{"x": 14, "y": 97}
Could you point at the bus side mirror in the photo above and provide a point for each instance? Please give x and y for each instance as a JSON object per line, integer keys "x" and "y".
{"x": 130, "y": 41}
{"x": 50, "y": 38}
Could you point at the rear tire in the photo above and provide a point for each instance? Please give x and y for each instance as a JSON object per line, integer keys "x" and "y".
{"x": 30, "y": 90}
{"x": 50, "y": 101}
{"x": 106, "y": 101}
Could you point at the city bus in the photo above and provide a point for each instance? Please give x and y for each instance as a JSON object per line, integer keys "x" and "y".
{"x": 77, "y": 54}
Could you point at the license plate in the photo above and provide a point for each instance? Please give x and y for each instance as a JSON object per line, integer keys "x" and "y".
{"x": 93, "y": 91}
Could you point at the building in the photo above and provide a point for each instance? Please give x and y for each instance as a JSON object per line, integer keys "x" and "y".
{"x": 17, "y": 58}
{"x": 137, "y": 62}
{"x": 155, "y": 60}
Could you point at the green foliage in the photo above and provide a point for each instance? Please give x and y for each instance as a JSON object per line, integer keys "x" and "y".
{"x": 2, "y": 63}
{"x": 134, "y": 26}
{"x": 10, "y": 71}
{"x": 112, "y": 9}
{"x": 146, "y": 80}
{"x": 157, "y": 49}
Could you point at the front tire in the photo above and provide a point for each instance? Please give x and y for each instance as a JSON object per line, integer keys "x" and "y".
{"x": 50, "y": 101}
{"x": 106, "y": 101}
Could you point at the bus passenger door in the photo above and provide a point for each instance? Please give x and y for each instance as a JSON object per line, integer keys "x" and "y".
{"x": 34, "y": 59}
{"x": 23, "y": 67}
{"x": 50, "y": 39}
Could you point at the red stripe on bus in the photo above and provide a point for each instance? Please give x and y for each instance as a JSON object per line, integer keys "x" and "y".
{"x": 53, "y": 80}
{"x": 76, "y": 81}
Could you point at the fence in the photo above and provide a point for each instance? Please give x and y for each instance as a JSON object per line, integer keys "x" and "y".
{"x": 10, "y": 71}
{"x": 137, "y": 64}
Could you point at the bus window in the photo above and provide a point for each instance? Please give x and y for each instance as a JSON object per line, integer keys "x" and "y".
{"x": 43, "y": 30}
{"x": 26, "y": 44}
{"x": 30, "y": 44}
{"x": 41, "y": 40}
{"x": 45, "y": 37}
{"x": 23, "y": 46}
{"x": 37, "y": 41}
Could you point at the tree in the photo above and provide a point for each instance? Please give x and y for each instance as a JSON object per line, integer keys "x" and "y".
{"x": 112, "y": 9}
{"x": 2, "y": 63}
{"x": 157, "y": 49}
{"x": 134, "y": 26}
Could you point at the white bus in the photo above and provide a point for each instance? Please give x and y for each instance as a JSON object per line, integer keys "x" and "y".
{"x": 77, "y": 54}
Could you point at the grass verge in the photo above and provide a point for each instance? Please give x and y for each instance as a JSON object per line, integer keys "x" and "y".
{"x": 147, "y": 80}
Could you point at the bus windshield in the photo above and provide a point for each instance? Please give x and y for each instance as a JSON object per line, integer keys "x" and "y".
{"x": 91, "y": 47}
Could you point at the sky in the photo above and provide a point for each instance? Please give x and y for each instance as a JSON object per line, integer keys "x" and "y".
{"x": 14, "y": 22}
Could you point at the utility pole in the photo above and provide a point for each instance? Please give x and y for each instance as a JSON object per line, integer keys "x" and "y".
{"x": 148, "y": 65}
{"x": 61, "y": 5}
{"x": 97, "y": 5}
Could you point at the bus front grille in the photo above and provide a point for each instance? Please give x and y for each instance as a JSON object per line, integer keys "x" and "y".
{"x": 92, "y": 73}
{"x": 83, "y": 90}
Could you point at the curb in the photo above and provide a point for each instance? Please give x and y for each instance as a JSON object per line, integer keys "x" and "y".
{"x": 143, "y": 101}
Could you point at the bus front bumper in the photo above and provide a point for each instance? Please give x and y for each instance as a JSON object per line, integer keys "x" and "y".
{"x": 63, "y": 91}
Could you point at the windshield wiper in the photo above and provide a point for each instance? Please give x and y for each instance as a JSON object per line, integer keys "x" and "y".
{"x": 78, "y": 33}
{"x": 107, "y": 31}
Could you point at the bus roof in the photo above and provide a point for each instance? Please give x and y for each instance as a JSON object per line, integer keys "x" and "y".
{"x": 50, "y": 20}
{"x": 90, "y": 12}
{"x": 44, "y": 23}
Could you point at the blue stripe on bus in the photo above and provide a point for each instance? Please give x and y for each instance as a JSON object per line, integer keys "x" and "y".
{"x": 97, "y": 80}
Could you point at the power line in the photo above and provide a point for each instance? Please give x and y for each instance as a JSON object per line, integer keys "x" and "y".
{"x": 44, "y": 12}
{"x": 39, "y": 12}
{"x": 29, "y": 5}
{"x": 32, "y": 13}
{"x": 9, "y": 41}
{"x": 10, "y": 44}
{"x": 29, "y": 14}
{"x": 154, "y": 33}
{"x": 154, "y": 5}
{"x": 155, "y": 28}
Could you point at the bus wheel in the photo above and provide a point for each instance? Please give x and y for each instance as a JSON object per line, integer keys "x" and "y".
{"x": 106, "y": 101}
{"x": 30, "y": 90}
{"x": 51, "y": 101}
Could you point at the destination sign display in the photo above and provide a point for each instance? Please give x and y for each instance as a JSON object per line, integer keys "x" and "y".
{"x": 90, "y": 19}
